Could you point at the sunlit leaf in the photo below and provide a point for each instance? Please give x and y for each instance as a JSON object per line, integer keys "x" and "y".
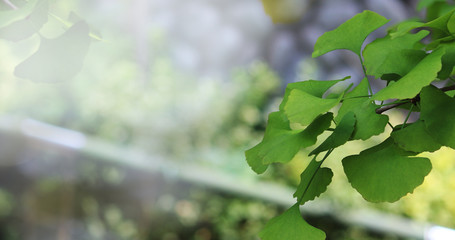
{"x": 57, "y": 59}
{"x": 303, "y": 107}
{"x": 415, "y": 138}
{"x": 368, "y": 123}
{"x": 340, "y": 135}
{"x": 290, "y": 226}
{"x": 438, "y": 113}
{"x": 349, "y": 35}
{"x": 420, "y": 76}
{"x": 377, "y": 54}
{"x": 312, "y": 87}
{"x": 280, "y": 143}
{"x": 313, "y": 182}
{"x": 385, "y": 173}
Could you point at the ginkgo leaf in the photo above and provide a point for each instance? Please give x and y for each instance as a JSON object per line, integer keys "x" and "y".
{"x": 415, "y": 138}
{"x": 284, "y": 11}
{"x": 57, "y": 59}
{"x": 303, "y": 107}
{"x": 420, "y": 76}
{"x": 27, "y": 26}
{"x": 316, "y": 88}
{"x": 313, "y": 182}
{"x": 368, "y": 123}
{"x": 440, "y": 24}
{"x": 280, "y": 143}
{"x": 349, "y": 35}
{"x": 448, "y": 60}
{"x": 340, "y": 135}
{"x": 290, "y": 226}
{"x": 400, "y": 64}
{"x": 385, "y": 173}
{"x": 438, "y": 113}
{"x": 376, "y": 53}
{"x": 426, "y": 3}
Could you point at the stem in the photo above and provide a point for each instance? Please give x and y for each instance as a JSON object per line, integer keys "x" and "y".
{"x": 314, "y": 174}
{"x": 365, "y": 73}
{"x": 407, "y": 117}
{"x": 390, "y": 125}
{"x": 10, "y": 4}
{"x": 413, "y": 100}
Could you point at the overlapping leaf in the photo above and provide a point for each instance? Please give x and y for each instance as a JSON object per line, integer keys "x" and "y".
{"x": 290, "y": 226}
{"x": 340, "y": 135}
{"x": 313, "y": 87}
{"x": 415, "y": 138}
{"x": 313, "y": 182}
{"x": 368, "y": 123}
{"x": 438, "y": 113}
{"x": 385, "y": 173}
{"x": 382, "y": 55}
{"x": 57, "y": 59}
{"x": 349, "y": 35}
{"x": 420, "y": 76}
{"x": 280, "y": 143}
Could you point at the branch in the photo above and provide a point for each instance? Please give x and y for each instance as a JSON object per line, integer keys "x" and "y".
{"x": 411, "y": 100}
{"x": 10, "y": 4}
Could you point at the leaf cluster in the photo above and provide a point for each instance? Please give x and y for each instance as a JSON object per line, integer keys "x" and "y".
{"x": 413, "y": 58}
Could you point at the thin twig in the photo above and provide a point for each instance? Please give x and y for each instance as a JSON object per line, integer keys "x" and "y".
{"x": 10, "y": 4}
{"x": 411, "y": 100}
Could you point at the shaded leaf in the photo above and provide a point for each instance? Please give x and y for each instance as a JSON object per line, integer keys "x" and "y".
{"x": 290, "y": 226}
{"x": 340, "y": 135}
{"x": 313, "y": 182}
{"x": 368, "y": 123}
{"x": 349, "y": 35}
{"x": 316, "y": 88}
{"x": 448, "y": 60}
{"x": 420, "y": 76}
{"x": 385, "y": 173}
{"x": 400, "y": 63}
{"x": 27, "y": 26}
{"x": 415, "y": 138}
{"x": 57, "y": 59}
{"x": 280, "y": 143}
{"x": 376, "y": 53}
{"x": 438, "y": 113}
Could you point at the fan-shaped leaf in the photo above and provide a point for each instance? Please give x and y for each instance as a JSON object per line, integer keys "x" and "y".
{"x": 385, "y": 173}
{"x": 290, "y": 226}
{"x": 368, "y": 123}
{"x": 349, "y": 35}
{"x": 313, "y": 182}
{"x": 415, "y": 138}
{"x": 438, "y": 113}
{"x": 420, "y": 76}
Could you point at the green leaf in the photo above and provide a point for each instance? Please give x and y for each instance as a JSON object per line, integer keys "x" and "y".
{"x": 280, "y": 143}
{"x": 340, "y": 135}
{"x": 448, "y": 60}
{"x": 290, "y": 226}
{"x": 57, "y": 59}
{"x": 27, "y": 26}
{"x": 438, "y": 113}
{"x": 415, "y": 138}
{"x": 368, "y": 123}
{"x": 313, "y": 182}
{"x": 377, "y": 54}
{"x": 404, "y": 27}
{"x": 303, "y": 107}
{"x": 349, "y": 35}
{"x": 420, "y": 76}
{"x": 11, "y": 16}
{"x": 426, "y": 3}
{"x": 400, "y": 63}
{"x": 440, "y": 25}
{"x": 316, "y": 88}
{"x": 385, "y": 173}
